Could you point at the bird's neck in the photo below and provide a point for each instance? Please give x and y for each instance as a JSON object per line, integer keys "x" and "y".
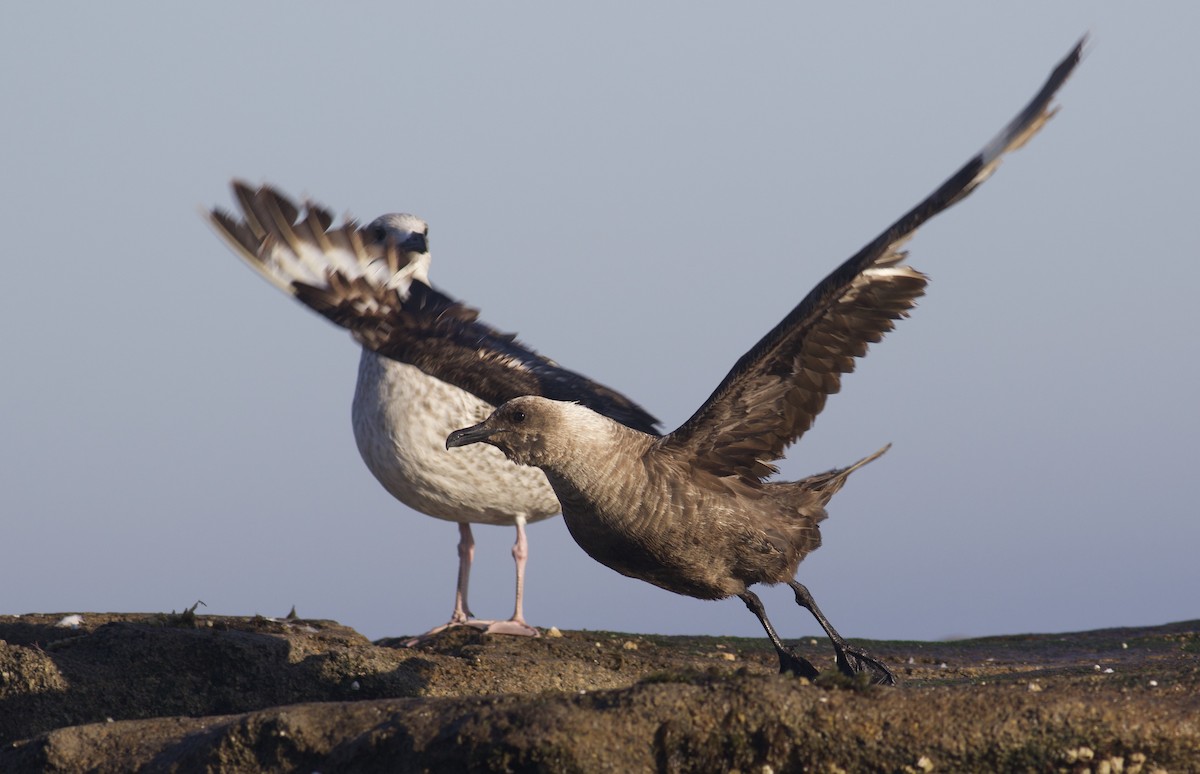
{"x": 601, "y": 474}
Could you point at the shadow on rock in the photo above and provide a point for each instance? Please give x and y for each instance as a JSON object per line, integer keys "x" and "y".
{"x": 130, "y": 666}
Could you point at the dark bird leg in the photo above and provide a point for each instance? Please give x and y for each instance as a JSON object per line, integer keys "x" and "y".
{"x": 789, "y": 662}
{"x": 850, "y": 661}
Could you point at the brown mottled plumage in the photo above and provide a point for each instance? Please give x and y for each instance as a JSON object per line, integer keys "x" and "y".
{"x": 691, "y": 511}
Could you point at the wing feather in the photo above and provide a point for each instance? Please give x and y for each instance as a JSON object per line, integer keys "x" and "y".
{"x": 376, "y": 292}
{"x": 774, "y": 392}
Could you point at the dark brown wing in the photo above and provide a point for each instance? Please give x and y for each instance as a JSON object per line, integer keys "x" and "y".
{"x": 285, "y": 248}
{"x": 378, "y": 292}
{"x": 775, "y": 391}
{"x": 444, "y": 338}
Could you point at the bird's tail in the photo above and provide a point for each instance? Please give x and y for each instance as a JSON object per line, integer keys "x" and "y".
{"x": 827, "y": 484}
{"x": 294, "y": 246}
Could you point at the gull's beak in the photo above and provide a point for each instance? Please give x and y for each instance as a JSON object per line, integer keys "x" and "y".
{"x": 413, "y": 242}
{"x": 469, "y": 435}
{"x": 406, "y": 241}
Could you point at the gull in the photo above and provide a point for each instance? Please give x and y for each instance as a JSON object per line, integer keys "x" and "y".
{"x": 428, "y": 366}
{"x": 692, "y": 511}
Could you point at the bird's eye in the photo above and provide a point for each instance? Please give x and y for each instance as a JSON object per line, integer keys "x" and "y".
{"x": 518, "y": 416}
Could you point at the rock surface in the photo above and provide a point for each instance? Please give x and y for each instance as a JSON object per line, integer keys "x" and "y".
{"x": 136, "y": 692}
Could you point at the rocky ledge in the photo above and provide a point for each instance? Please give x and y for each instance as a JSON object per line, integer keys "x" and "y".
{"x": 185, "y": 692}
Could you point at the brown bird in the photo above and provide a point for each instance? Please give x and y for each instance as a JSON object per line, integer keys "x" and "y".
{"x": 692, "y": 511}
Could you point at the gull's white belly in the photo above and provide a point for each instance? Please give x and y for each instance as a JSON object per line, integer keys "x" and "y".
{"x": 401, "y": 419}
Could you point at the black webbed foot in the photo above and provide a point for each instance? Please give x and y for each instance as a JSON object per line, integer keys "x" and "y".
{"x": 791, "y": 664}
{"x": 852, "y": 662}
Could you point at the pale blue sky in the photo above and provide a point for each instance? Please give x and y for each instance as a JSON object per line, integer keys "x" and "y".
{"x": 641, "y": 191}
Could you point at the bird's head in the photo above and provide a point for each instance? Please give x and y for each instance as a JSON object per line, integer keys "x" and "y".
{"x": 531, "y": 430}
{"x": 409, "y": 234}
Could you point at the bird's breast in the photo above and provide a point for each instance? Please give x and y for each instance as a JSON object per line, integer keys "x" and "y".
{"x": 641, "y": 532}
{"x": 401, "y": 419}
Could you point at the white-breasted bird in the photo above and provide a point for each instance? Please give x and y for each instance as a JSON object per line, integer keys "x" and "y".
{"x": 374, "y": 281}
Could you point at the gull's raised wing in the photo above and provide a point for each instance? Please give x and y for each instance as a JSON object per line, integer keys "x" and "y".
{"x": 364, "y": 280}
{"x": 444, "y": 338}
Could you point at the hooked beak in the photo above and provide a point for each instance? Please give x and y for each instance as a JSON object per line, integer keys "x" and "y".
{"x": 406, "y": 241}
{"x": 469, "y": 435}
{"x": 414, "y": 242}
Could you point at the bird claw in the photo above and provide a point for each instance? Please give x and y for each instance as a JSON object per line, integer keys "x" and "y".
{"x": 790, "y": 663}
{"x": 852, "y": 662}
{"x": 509, "y": 627}
{"x": 432, "y": 633}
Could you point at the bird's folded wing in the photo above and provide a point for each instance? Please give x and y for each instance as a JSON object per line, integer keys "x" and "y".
{"x": 775, "y": 391}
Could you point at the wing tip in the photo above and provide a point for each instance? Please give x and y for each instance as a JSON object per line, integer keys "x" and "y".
{"x": 1035, "y": 115}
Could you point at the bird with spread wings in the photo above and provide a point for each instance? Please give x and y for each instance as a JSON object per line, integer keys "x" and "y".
{"x": 693, "y": 511}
